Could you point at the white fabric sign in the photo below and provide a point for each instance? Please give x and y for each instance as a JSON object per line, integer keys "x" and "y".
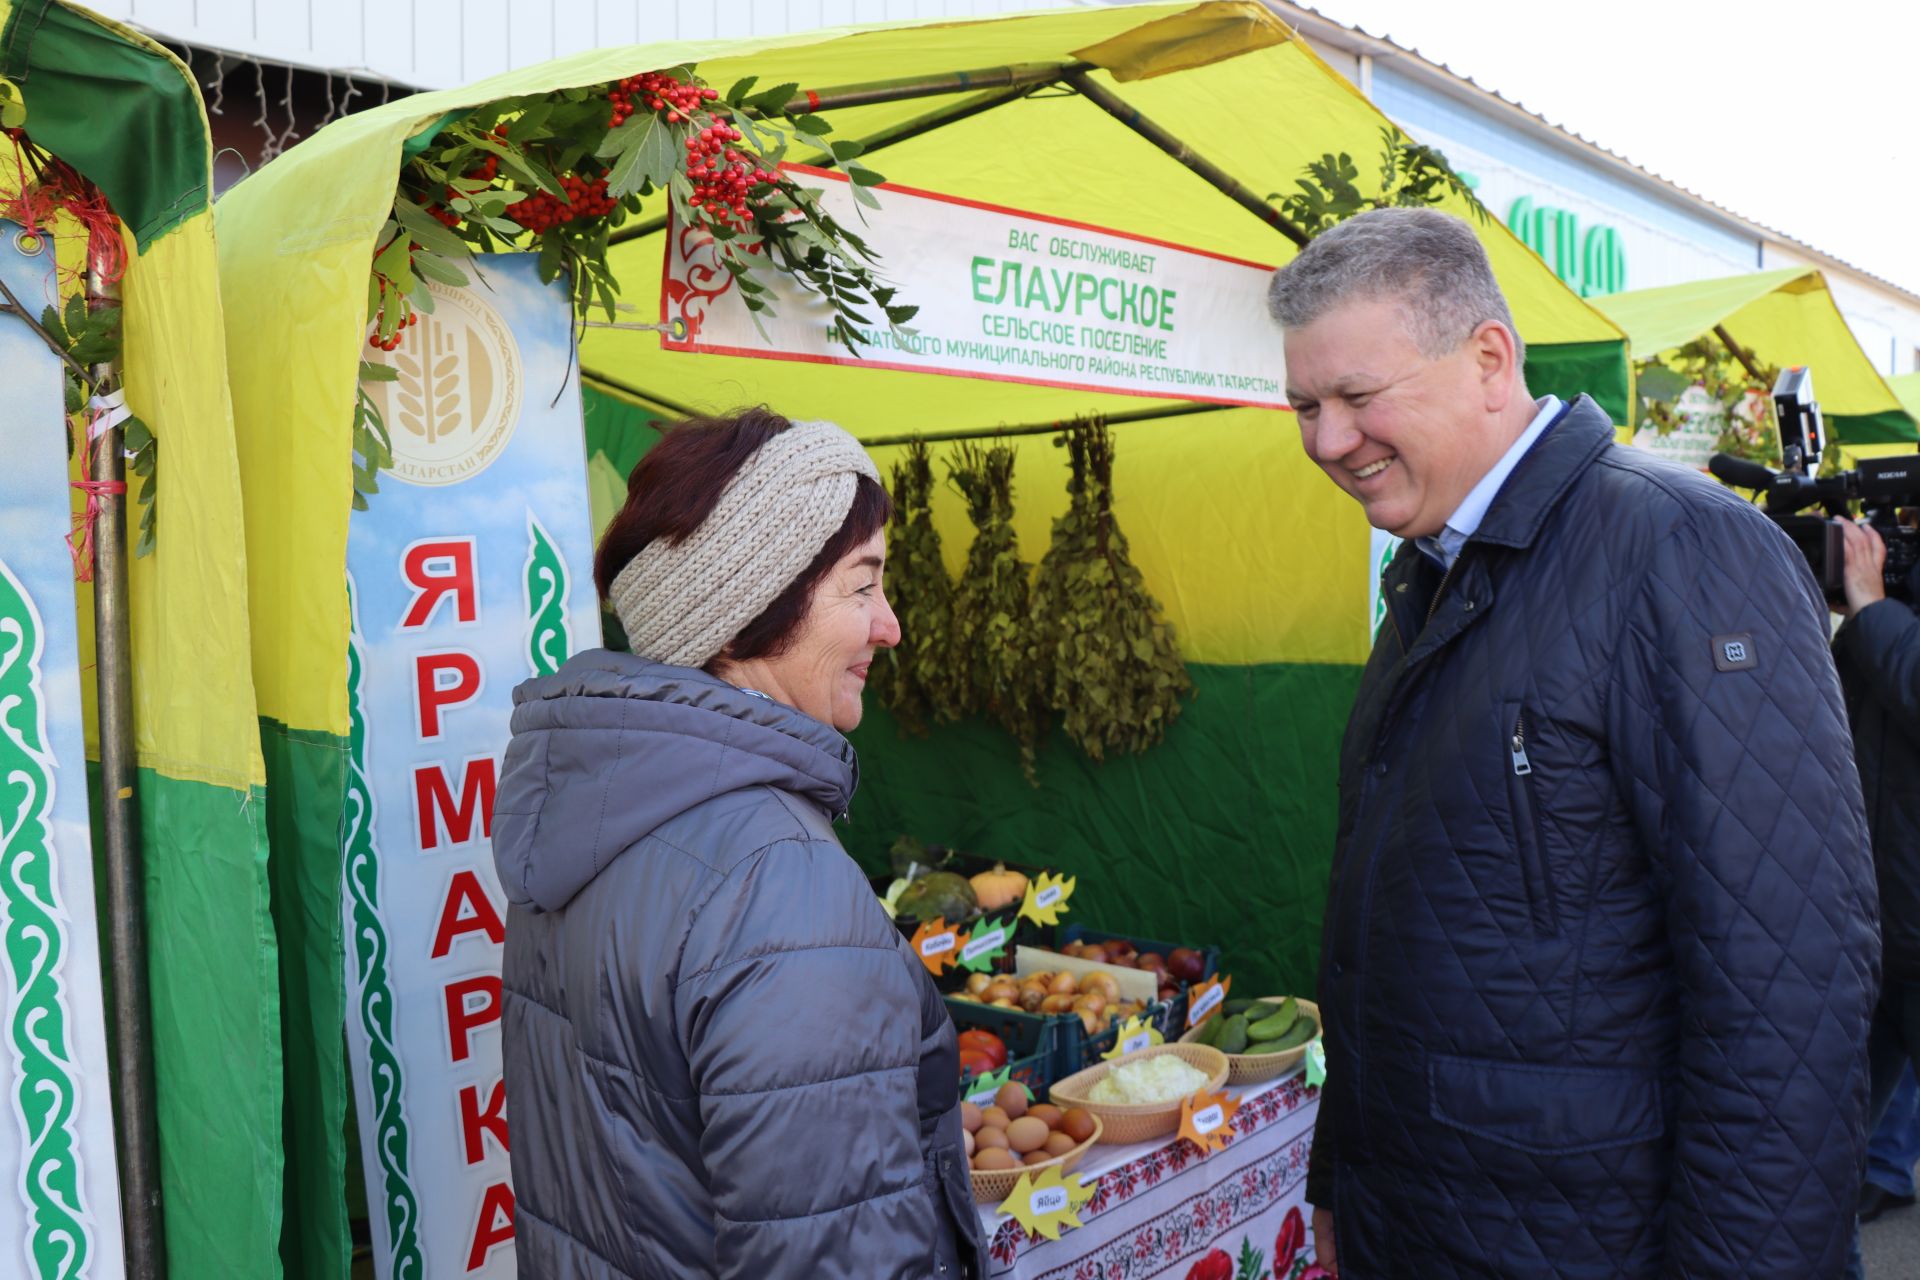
{"x": 1005, "y": 295}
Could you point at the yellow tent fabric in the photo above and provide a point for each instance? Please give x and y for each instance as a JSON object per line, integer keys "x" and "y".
{"x": 1785, "y": 317}
{"x": 1906, "y": 387}
{"x": 297, "y": 237}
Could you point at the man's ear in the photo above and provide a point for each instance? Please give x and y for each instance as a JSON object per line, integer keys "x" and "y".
{"x": 1497, "y": 357}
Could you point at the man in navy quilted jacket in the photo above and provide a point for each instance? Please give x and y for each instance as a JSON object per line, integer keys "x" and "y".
{"x": 1600, "y": 947}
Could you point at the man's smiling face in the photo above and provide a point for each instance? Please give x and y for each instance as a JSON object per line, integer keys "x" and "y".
{"x": 1405, "y": 434}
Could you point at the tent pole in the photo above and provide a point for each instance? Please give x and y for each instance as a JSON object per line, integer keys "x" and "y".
{"x": 1043, "y": 428}
{"x": 136, "y": 1131}
{"x": 903, "y": 132}
{"x": 1020, "y": 75}
{"x": 1746, "y": 362}
{"x": 1222, "y": 181}
{"x": 625, "y": 388}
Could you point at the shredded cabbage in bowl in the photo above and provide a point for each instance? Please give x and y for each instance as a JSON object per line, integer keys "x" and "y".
{"x": 1162, "y": 1078}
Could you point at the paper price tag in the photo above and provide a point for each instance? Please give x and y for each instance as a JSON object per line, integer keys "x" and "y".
{"x": 1048, "y": 1204}
{"x": 989, "y": 942}
{"x": 1134, "y": 1035}
{"x": 1205, "y": 998}
{"x": 1316, "y": 1063}
{"x": 1206, "y": 1120}
{"x": 1050, "y": 1200}
{"x": 1046, "y": 898}
{"x": 935, "y": 943}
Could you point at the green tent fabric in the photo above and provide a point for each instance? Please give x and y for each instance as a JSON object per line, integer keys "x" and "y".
{"x": 1786, "y": 317}
{"x": 126, "y": 118}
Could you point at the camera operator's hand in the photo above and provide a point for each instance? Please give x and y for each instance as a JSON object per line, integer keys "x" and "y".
{"x": 1866, "y": 554}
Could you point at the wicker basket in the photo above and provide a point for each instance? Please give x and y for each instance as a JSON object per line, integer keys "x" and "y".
{"x": 991, "y": 1186}
{"x": 1246, "y": 1068}
{"x": 1124, "y": 1123}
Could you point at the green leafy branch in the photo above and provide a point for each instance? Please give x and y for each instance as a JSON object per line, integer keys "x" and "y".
{"x": 1411, "y": 175}
{"x": 1750, "y": 430}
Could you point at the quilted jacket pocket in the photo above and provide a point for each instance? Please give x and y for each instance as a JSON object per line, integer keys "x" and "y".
{"x": 1545, "y": 1110}
{"x": 1526, "y": 824}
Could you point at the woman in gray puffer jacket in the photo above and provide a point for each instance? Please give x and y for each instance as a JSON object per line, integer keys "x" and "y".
{"x": 721, "y": 1058}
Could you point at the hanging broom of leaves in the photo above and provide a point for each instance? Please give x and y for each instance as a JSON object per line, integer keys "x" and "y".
{"x": 917, "y": 681}
{"x": 1117, "y": 677}
{"x": 992, "y": 637}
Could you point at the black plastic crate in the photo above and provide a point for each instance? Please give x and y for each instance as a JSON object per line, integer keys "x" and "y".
{"x": 1170, "y": 1016}
{"x": 1032, "y": 1040}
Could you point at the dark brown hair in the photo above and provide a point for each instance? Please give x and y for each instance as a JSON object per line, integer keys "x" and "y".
{"x": 677, "y": 485}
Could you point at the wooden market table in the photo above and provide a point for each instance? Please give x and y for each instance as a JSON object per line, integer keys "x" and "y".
{"x": 1159, "y": 1209}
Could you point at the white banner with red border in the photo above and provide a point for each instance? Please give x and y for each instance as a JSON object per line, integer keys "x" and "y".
{"x": 1004, "y": 295}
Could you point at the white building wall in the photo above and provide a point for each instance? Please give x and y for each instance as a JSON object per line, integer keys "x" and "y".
{"x": 438, "y": 44}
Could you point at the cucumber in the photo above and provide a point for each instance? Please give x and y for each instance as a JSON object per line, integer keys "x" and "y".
{"x": 1276, "y": 1024}
{"x": 1303, "y": 1030}
{"x": 1210, "y": 1030}
{"x": 1232, "y": 1007}
{"x": 1233, "y": 1037}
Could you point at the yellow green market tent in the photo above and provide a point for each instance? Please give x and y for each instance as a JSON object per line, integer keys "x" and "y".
{"x": 1906, "y": 388}
{"x": 1784, "y": 317}
{"x": 127, "y": 115}
{"x": 1220, "y": 834}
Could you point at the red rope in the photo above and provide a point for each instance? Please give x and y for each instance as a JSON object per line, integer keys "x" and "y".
{"x": 80, "y": 541}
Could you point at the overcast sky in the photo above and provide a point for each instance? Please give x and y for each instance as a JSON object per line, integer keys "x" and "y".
{"x": 1801, "y": 117}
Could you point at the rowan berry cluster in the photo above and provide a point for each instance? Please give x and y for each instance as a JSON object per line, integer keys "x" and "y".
{"x": 722, "y": 177}
{"x": 388, "y": 344}
{"x": 657, "y": 91}
{"x": 585, "y": 199}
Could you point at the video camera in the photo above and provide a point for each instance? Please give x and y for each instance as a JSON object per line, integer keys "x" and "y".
{"x": 1888, "y": 490}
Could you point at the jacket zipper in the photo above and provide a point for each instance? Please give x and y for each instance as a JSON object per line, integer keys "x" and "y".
{"x": 1526, "y": 832}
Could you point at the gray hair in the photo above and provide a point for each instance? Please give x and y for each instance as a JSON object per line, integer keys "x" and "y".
{"x": 1429, "y": 262}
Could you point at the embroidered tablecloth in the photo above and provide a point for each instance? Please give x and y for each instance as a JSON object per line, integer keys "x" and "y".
{"x": 1161, "y": 1210}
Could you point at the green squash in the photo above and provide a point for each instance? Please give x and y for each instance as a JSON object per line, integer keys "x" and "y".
{"x": 938, "y": 893}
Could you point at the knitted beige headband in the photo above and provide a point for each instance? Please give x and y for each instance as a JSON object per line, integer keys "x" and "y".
{"x": 682, "y": 604}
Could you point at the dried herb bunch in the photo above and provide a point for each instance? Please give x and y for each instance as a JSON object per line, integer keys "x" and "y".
{"x": 992, "y": 636}
{"x": 917, "y": 681}
{"x": 1116, "y": 674}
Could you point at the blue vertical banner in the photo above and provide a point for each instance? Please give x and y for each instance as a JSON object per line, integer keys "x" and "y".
{"x": 470, "y": 571}
{"x": 59, "y": 1193}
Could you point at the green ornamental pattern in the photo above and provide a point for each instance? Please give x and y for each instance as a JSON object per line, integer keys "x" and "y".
{"x": 45, "y": 1100}
{"x": 373, "y": 979}
{"x": 548, "y": 639}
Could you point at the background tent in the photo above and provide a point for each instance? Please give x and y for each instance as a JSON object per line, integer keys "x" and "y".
{"x": 1784, "y": 317}
{"x": 127, "y": 115}
{"x": 1222, "y": 833}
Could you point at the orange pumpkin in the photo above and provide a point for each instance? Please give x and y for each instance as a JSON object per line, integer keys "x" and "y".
{"x": 998, "y": 888}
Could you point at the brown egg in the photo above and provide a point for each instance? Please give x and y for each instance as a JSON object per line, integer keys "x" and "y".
{"x": 1048, "y": 1112}
{"x": 970, "y": 1117}
{"x": 994, "y": 1117}
{"x": 1058, "y": 1144}
{"x": 1077, "y": 1124}
{"x": 1027, "y": 1134}
{"x": 989, "y": 1138}
{"x": 1011, "y": 1099}
{"x": 991, "y": 1158}
{"x": 969, "y": 1142}
{"x": 1064, "y": 984}
{"x": 1035, "y": 1157}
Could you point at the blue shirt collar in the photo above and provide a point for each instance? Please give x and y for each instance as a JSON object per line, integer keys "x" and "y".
{"x": 1444, "y": 547}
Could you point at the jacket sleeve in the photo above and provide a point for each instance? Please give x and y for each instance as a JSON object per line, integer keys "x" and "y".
{"x": 1881, "y": 645}
{"x": 1737, "y": 770}
{"x": 800, "y": 1021}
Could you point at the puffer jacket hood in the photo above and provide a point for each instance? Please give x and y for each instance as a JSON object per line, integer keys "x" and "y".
{"x": 693, "y": 736}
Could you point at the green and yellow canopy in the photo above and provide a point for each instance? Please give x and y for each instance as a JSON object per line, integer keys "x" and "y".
{"x": 1784, "y": 317}
{"x": 127, "y": 115}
